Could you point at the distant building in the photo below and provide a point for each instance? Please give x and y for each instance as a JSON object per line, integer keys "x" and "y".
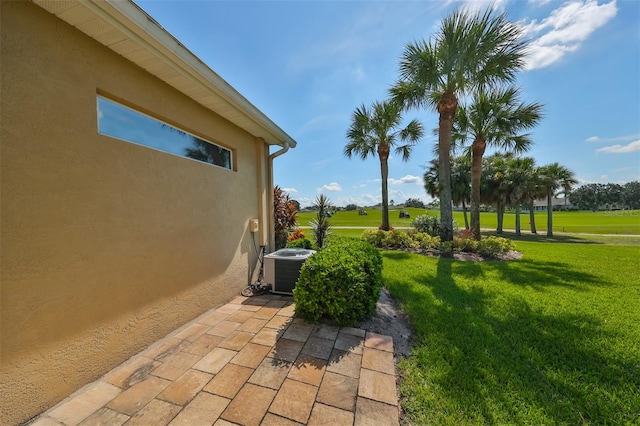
{"x": 556, "y": 203}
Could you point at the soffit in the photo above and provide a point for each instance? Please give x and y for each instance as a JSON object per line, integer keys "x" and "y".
{"x": 127, "y": 30}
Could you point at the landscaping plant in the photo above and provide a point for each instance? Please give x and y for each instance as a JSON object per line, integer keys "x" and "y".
{"x": 341, "y": 282}
{"x": 320, "y": 224}
{"x": 284, "y": 215}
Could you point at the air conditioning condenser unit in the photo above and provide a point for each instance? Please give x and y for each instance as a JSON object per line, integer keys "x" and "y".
{"x": 282, "y": 268}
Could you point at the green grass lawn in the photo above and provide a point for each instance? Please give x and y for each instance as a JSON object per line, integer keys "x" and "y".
{"x": 616, "y": 222}
{"x": 553, "y": 338}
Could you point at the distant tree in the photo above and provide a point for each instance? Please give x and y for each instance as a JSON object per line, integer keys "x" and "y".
{"x": 588, "y": 197}
{"x": 614, "y": 195}
{"x": 593, "y": 196}
{"x": 351, "y": 207}
{"x": 414, "y": 202}
{"x": 375, "y": 131}
{"x": 631, "y": 195}
{"x": 469, "y": 50}
{"x": 553, "y": 177}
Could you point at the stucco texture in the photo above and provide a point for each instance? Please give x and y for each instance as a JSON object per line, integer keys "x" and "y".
{"x": 106, "y": 246}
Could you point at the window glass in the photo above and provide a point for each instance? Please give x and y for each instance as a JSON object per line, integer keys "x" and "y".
{"x": 121, "y": 122}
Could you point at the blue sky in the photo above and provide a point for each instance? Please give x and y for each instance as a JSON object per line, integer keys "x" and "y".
{"x": 308, "y": 64}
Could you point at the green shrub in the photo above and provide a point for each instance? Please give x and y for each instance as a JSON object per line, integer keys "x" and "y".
{"x": 374, "y": 237}
{"x": 426, "y": 241}
{"x": 430, "y": 224}
{"x": 464, "y": 241}
{"x": 299, "y": 243}
{"x": 399, "y": 239}
{"x": 342, "y": 281}
{"x": 493, "y": 246}
{"x": 412, "y": 239}
{"x": 427, "y": 224}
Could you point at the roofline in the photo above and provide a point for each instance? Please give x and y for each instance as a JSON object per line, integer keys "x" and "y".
{"x": 133, "y": 21}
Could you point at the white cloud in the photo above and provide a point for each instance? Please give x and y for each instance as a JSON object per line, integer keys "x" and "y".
{"x": 621, "y": 149}
{"x": 332, "y": 187}
{"x": 290, "y": 190}
{"x": 305, "y": 202}
{"x": 540, "y": 2}
{"x": 565, "y": 30}
{"x": 360, "y": 200}
{"x": 406, "y": 179}
{"x": 474, "y": 6}
{"x": 617, "y": 139}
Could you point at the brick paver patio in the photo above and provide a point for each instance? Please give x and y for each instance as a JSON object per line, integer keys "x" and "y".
{"x": 249, "y": 362}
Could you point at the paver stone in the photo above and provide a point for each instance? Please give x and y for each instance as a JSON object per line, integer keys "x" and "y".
{"x": 338, "y": 391}
{"x": 294, "y": 400}
{"x": 249, "y": 406}
{"x": 378, "y": 386}
{"x": 374, "y": 413}
{"x": 229, "y": 380}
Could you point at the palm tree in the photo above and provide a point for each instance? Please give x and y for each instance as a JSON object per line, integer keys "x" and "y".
{"x": 554, "y": 176}
{"x": 536, "y": 190}
{"x": 495, "y": 184}
{"x": 460, "y": 182}
{"x": 495, "y": 117}
{"x": 377, "y": 130}
{"x": 468, "y": 51}
{"x": 520, "y": 173}
{"x": 431, "y": 181}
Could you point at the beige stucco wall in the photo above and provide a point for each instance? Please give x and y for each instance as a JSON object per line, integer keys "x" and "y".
{"x": 106, "y": 246}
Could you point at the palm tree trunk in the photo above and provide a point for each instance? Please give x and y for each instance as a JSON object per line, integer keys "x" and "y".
{"x": 447, "y": 109}
{"x": 478, "y": 149}
{"x": 532, "y": 217}
{"x": 500, "y": 212}
{"x": 549, "y": 214}
{"x": 518, "y": 219}
{"x": 384, "y": 172}
{"x": 464, "y": 212}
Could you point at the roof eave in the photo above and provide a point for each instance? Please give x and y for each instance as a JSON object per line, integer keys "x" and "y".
{"x": 205, "y": 85}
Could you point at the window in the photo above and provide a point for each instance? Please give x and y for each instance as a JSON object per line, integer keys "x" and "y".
{"x": 121, "y": 122}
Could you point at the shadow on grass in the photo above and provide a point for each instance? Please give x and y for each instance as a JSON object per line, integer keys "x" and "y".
{"x": 525, "y": 272}
{"x": 542, "y": 238}
{"x": 484, "y": 357}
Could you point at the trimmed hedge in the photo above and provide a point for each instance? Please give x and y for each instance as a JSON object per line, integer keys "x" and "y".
{"x": 342, "y": 282}
{"x": 413, "y": 240}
